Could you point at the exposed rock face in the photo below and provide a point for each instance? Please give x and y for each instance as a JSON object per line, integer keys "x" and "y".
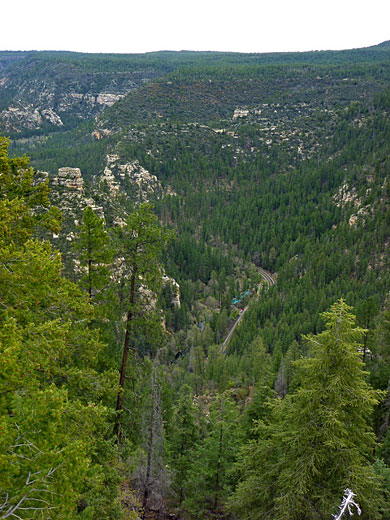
{"x": 107, "y": 98}
{"x": 69, "y": 178}
{"x": 362, "y": 212}
{"x": 129, "y": 180}
{"x": 68, "y": 193}
{"x": 19, "y": 115}
{"x": 353, "y": 220}
{"x": 240, "y": 112}
{"x": 175, "y": 290}
{"x": 131, "y": 176}
{"x": 27, "y": 116}
{"x": 347, "y": 195}
{"x": 100, "y": 134}
{"x": 38, "y": 88}
{"x": 110, "y": 180}
{"x": 123, "y": 180}
{"x": 52, "y": 117}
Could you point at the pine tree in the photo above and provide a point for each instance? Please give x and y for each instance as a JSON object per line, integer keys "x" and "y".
{"x": 209, "y": 481}
{"x": 380, "y": 363}
{"x": 153, "y": 476}
{"x": 182, "y": 439}
{"x": 319, "y": 441}
{"x": 94, "y": 255}
{"x": 54, "y": 404}
{"x": 25, "y": 203}
{"x": 141, "y": 242}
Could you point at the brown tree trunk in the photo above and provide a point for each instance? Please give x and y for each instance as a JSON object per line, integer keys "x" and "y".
{"x": 126, "y": 346}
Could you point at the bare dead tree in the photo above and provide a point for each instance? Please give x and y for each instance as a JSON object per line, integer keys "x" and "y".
{"x": 153, "y": 476}
{"x": 346, "y": 505}
{"x": 35, "y": 485}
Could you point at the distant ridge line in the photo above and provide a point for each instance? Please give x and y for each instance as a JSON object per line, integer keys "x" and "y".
{"x": 385, "y": 44}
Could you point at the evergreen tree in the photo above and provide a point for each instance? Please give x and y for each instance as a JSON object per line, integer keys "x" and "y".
{"x": 365, "y": 314}
{"x": 183, "y": 436}
{"x": 55, "y": 459}
{"x": 141, "y": 243}
{"x": 285, "y": 375}
{"x": 152, "y": 473}
{"x": 94, "y": 255}
{"x": 209, "y": 481}
{"x": 380, "y": 363}
{"x": 319, "y": 441}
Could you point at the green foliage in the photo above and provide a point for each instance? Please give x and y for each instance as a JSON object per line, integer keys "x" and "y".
{"x": 319, "y": 440}
{"x": 95, "y": 256}
{"x": 182, "y": 438}
{"x": 18, "y": 195}
{"x": 297, "y": 184}
{"x": 209, "y": 94}
{"x": 383, "y": 472}
{"x": 54, "y": 404}
{"x": 209, "y": 481}
{"x": 140, "y": 243}
{"x": 379, "y": 364}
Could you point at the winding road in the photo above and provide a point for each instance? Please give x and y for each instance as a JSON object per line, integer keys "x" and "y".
{"x": 266, "y": 276}
{"x": 270, "y": 281}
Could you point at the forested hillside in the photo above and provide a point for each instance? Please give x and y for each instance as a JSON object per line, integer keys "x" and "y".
{"x": 163, "y": 191}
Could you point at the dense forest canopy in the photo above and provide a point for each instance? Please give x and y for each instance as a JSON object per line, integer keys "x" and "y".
{"x": 170, "y": 197}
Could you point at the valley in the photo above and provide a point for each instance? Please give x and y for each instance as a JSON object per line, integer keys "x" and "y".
{"x": 194, "y": 275}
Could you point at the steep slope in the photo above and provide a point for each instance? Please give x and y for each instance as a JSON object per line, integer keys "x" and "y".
{"x": 265, "y": 161}
{"x": 271, "y": 162}
{"x": 210, "y": 94}
{"x": 41, "y": 92}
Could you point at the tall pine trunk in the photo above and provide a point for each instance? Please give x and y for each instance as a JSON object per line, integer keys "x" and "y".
{"x": 126, "y": 347}
{"x": 150, "y": 448}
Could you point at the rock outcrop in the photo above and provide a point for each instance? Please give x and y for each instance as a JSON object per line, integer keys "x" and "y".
{"x": 69, "y": 194}
{"x": 19, "y": 115}
{"x": 69, "y": 178}
{"x": 347, "y": 195}
{"x": 175, "y": 289}
{"x": 108, "y": 99}
{"x": 130, "y": 178}
{"x": 119, "y": 179}
{"x": 38, "y": 89}
{"x": 52, "y": 117}
{"x": 240, "y": 112}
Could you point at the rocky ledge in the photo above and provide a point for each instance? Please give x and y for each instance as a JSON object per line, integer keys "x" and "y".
{"x": 131, "y": 175}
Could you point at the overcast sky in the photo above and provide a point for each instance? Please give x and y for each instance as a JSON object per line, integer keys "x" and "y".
{"x": 129, "y": 26}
